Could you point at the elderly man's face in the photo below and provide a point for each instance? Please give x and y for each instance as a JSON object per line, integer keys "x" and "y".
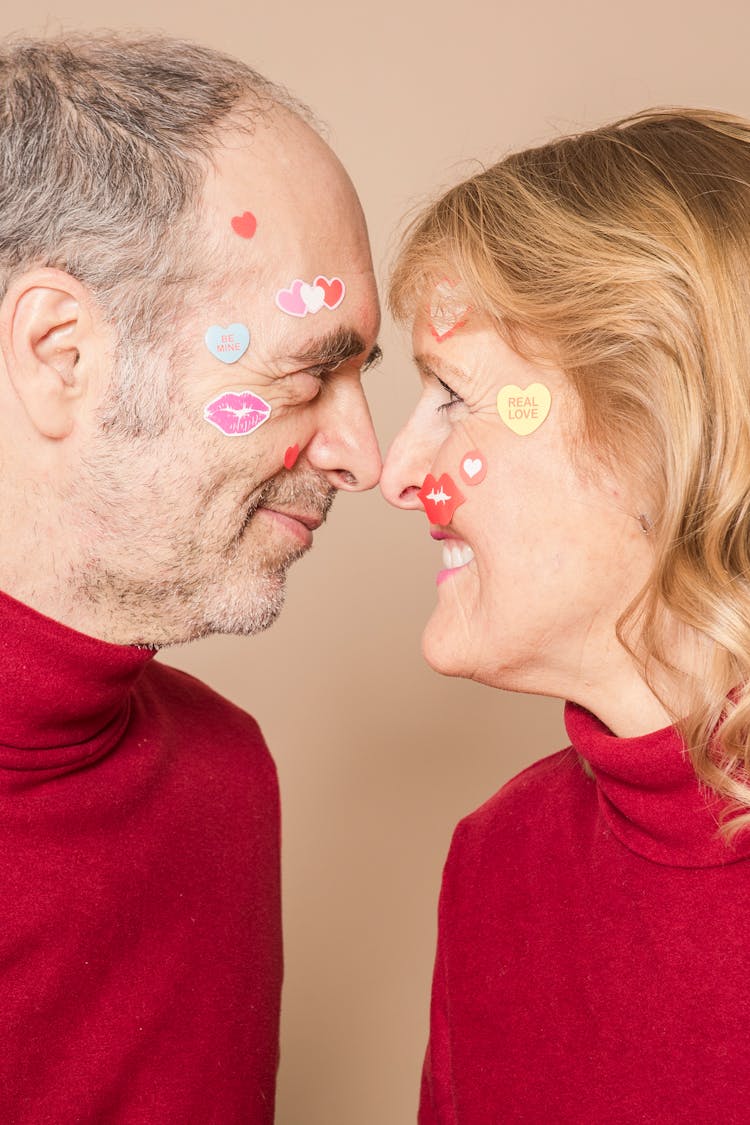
{"x": 195, "y": 529}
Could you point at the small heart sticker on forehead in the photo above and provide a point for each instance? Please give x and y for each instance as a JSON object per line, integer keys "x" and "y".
{"x": 291, "y": 300}
{"x": 227, "y": 344}
{"x": 333, "y": 290}
{"x": 523, "y": 411}
{"x": 245, "y": 225}
{"x": 473, "y": 468}
{"x": 313, "y": 297}
{"x": 447, "y": 310}
{"x": 302, "y": 297}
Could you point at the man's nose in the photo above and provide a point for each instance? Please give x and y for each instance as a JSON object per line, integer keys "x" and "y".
{"x": 345, "y": 447}
{"x": 407, "y": 464}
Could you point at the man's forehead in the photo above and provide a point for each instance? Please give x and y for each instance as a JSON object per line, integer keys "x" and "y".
{"x": 275, "y": 165}
{"x": 293, "y": 258}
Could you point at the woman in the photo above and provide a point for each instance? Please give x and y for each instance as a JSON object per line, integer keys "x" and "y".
{"x": 581, "y": 322}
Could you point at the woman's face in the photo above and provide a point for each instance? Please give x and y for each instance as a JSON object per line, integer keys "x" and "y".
{"x": 541, "y": 556}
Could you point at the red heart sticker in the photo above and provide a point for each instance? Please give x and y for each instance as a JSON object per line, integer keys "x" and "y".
{"x": 245, "y": 225}
{"x": 290, "y": 457}
{"x": 440, "y": 498}
{"x": 333, "y": 290}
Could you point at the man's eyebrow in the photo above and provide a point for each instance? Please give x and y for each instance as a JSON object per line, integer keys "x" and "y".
{"x": 335, "y": 348}
{"x": 431, "y": 366}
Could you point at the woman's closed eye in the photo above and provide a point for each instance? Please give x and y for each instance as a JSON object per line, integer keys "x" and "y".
{"x": 454, "y": 399}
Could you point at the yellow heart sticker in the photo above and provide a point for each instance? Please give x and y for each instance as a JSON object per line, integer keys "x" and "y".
{"x": 523, "y": 411}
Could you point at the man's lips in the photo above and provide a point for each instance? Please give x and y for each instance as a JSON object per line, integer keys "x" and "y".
{"x": 301, "y": 524}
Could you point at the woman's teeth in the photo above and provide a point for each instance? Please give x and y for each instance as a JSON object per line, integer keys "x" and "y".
{"x": 456, "y": 554}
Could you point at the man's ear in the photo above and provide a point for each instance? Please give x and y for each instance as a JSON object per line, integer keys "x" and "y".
{"x": 47, "y": 339}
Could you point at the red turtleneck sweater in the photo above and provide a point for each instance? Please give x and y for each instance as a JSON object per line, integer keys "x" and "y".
{"x": 594, "y": 948}
{"x": 140, "y": 951}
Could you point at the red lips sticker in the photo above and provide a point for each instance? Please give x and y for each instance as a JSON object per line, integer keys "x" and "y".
{"x": 245, "y": 225}
{"x": 440, "y": 498}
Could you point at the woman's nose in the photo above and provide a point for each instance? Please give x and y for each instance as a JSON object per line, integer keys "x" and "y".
{"x": 407, "y": 464}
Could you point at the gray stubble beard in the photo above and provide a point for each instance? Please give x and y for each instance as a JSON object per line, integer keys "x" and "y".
{"x": 177, "y": 608}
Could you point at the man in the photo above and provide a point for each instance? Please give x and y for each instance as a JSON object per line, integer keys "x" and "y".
{"x": 188, "y": 303}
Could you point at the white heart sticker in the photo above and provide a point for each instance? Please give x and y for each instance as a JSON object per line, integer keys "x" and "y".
{"x": 314, "y": 297}
{"x": 472, "y": 467}
{"x": 447, "y": 311}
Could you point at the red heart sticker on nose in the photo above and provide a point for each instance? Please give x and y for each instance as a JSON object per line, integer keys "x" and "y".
{"x": 245, "y": 225}
{"x": 440, "y": 498}
{"x": 290, "y": 457}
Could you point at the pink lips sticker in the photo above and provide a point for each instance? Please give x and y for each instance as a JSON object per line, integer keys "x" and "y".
{"x": 237, "y": 413}
{"x": 302, "y": 298}
{"x": 440, "y": 498}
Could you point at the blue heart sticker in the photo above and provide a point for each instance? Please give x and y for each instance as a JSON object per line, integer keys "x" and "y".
{"x": 228, "y": 344}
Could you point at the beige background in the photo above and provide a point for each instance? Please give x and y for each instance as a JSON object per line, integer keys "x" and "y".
{"x": 378, "y": 757}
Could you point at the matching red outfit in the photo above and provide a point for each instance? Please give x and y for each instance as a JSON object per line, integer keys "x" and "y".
{"x": 140, "y": 942}
{"x": 593, "y": 962}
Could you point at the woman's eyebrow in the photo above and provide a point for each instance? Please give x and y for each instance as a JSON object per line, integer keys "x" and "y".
{"x": 433, "y": 368}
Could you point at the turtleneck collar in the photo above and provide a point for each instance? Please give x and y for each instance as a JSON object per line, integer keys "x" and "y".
{"x": 650, "y": 796}
{"x": 64, "y": 696}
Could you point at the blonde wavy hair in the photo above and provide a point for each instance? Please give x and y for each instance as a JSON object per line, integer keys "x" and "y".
{"x": 622, "y": 254}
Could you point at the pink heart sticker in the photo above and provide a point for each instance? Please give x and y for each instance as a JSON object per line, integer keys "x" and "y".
{"x": 291, "y": 300}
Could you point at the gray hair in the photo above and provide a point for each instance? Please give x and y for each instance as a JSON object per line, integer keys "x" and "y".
{"x": 104, "y": 146}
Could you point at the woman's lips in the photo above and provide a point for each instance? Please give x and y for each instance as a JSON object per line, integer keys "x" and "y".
{"x": 456, "y": 554}
{"x": 237, "y": 413}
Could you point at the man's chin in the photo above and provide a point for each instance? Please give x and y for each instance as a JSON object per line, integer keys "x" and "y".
{"x": 239, "y": 612}
{"x": 248, "y": 611}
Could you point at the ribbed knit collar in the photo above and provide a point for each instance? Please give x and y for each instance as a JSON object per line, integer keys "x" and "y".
{"x": 650, "y": 796}
{"x": 64, "y": 696}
